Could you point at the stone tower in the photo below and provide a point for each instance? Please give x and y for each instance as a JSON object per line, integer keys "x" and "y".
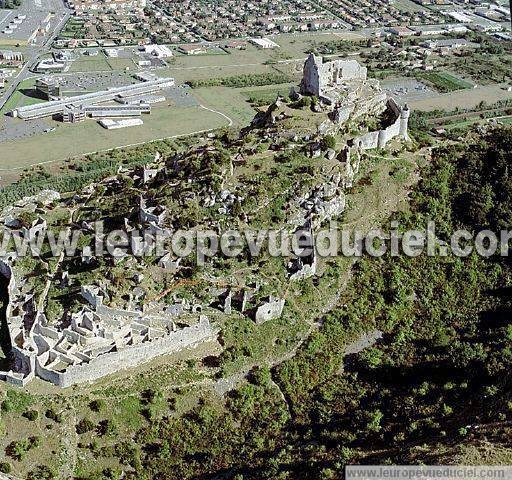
{"x": 404, "y": 121}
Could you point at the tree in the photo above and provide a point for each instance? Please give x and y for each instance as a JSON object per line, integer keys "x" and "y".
{"x": 107, "y": 427}
{"x": 53, "y": 415}
{"x": 329, "y": 141}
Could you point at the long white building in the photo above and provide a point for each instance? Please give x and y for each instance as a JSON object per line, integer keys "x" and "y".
{"x": 56, "y": 107}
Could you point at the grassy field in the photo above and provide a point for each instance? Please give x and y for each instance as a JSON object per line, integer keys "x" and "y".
{"x": 186, "y": 73}
{"x": 265, "y": 95}
{"x": 229, "y": 101}
{"x": 91, "y": 64}
{"x": 408, "y": 6}
{"x": 71, "y": 140}
{"x": 12, "y": 43}
{"x": 19, "y": 98}
{"x": 288, "y": 58}
{"x": 121, "y": 63}
{"x": 297, "y": 44}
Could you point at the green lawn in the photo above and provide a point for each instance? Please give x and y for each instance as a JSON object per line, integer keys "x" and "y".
{"x": 408, "y": 6}
{"x": 266, "y": 95}
{"x": 91, "y": 64}
{"x": 121, "y": 63}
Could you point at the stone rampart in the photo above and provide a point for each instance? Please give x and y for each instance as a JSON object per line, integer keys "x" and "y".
{"x": 379, "y": 138}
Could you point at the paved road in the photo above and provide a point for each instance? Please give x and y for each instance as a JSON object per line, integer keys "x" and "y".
{"x": 33, "y": 53}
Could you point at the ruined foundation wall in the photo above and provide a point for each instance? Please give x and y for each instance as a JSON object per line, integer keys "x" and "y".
{"x": 131, "y": 356}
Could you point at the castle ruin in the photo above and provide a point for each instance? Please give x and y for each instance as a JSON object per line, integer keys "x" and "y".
{"x": 344, "y": 90}
{"x": 98, "y": 341}
{"x": 319, "y": 77}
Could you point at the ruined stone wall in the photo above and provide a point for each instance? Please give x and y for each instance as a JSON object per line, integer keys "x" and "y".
{"x": 14, "y": 379}
{"x": 318, "y": 76}
{"x": 12, "y": 288}
{"x": 388, "y": 133}
{"x": 379, "y": 138}
{"x": 112, "y": 312}
{"x": 367, "y": 141}
{"x": 128, "y": 357}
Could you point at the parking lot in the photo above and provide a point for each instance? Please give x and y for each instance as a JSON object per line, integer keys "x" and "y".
{"x": 13, "y": 27}
{"x": 15, "y": 129}
{"x": 80, "y": 82}
{"x": 405, "y": 90}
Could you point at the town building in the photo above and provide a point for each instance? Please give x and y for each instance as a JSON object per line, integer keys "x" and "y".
{"x": 158, "y": 51}
{"x": 90, "y": 101}
{"x": 264, "y": 43}
{"x": 73, "y": 114}
{"x": 193, "y": 49}
{"x": 48, "y": 88}
{"x": 401, "y": 31}
{"x": 50, "y": 65}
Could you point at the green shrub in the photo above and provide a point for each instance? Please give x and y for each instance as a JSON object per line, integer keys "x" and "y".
{"x": 329, "y": 141}
{"x": 32, "y": 415}
{"x": 16, "y": 402}
{"x": 53, "y": 415}
{"x": 85, "y": 425}
{"x": 42, "y": 472}
{"x": 97, "y": 405}
{"x": 18, "y": 449}
{"x": 107, "y": 427}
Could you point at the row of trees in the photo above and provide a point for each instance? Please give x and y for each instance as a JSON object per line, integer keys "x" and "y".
{"x": 245, "y": 80}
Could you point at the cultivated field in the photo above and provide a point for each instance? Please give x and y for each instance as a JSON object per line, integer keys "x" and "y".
{"x": 445, "y": 82}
